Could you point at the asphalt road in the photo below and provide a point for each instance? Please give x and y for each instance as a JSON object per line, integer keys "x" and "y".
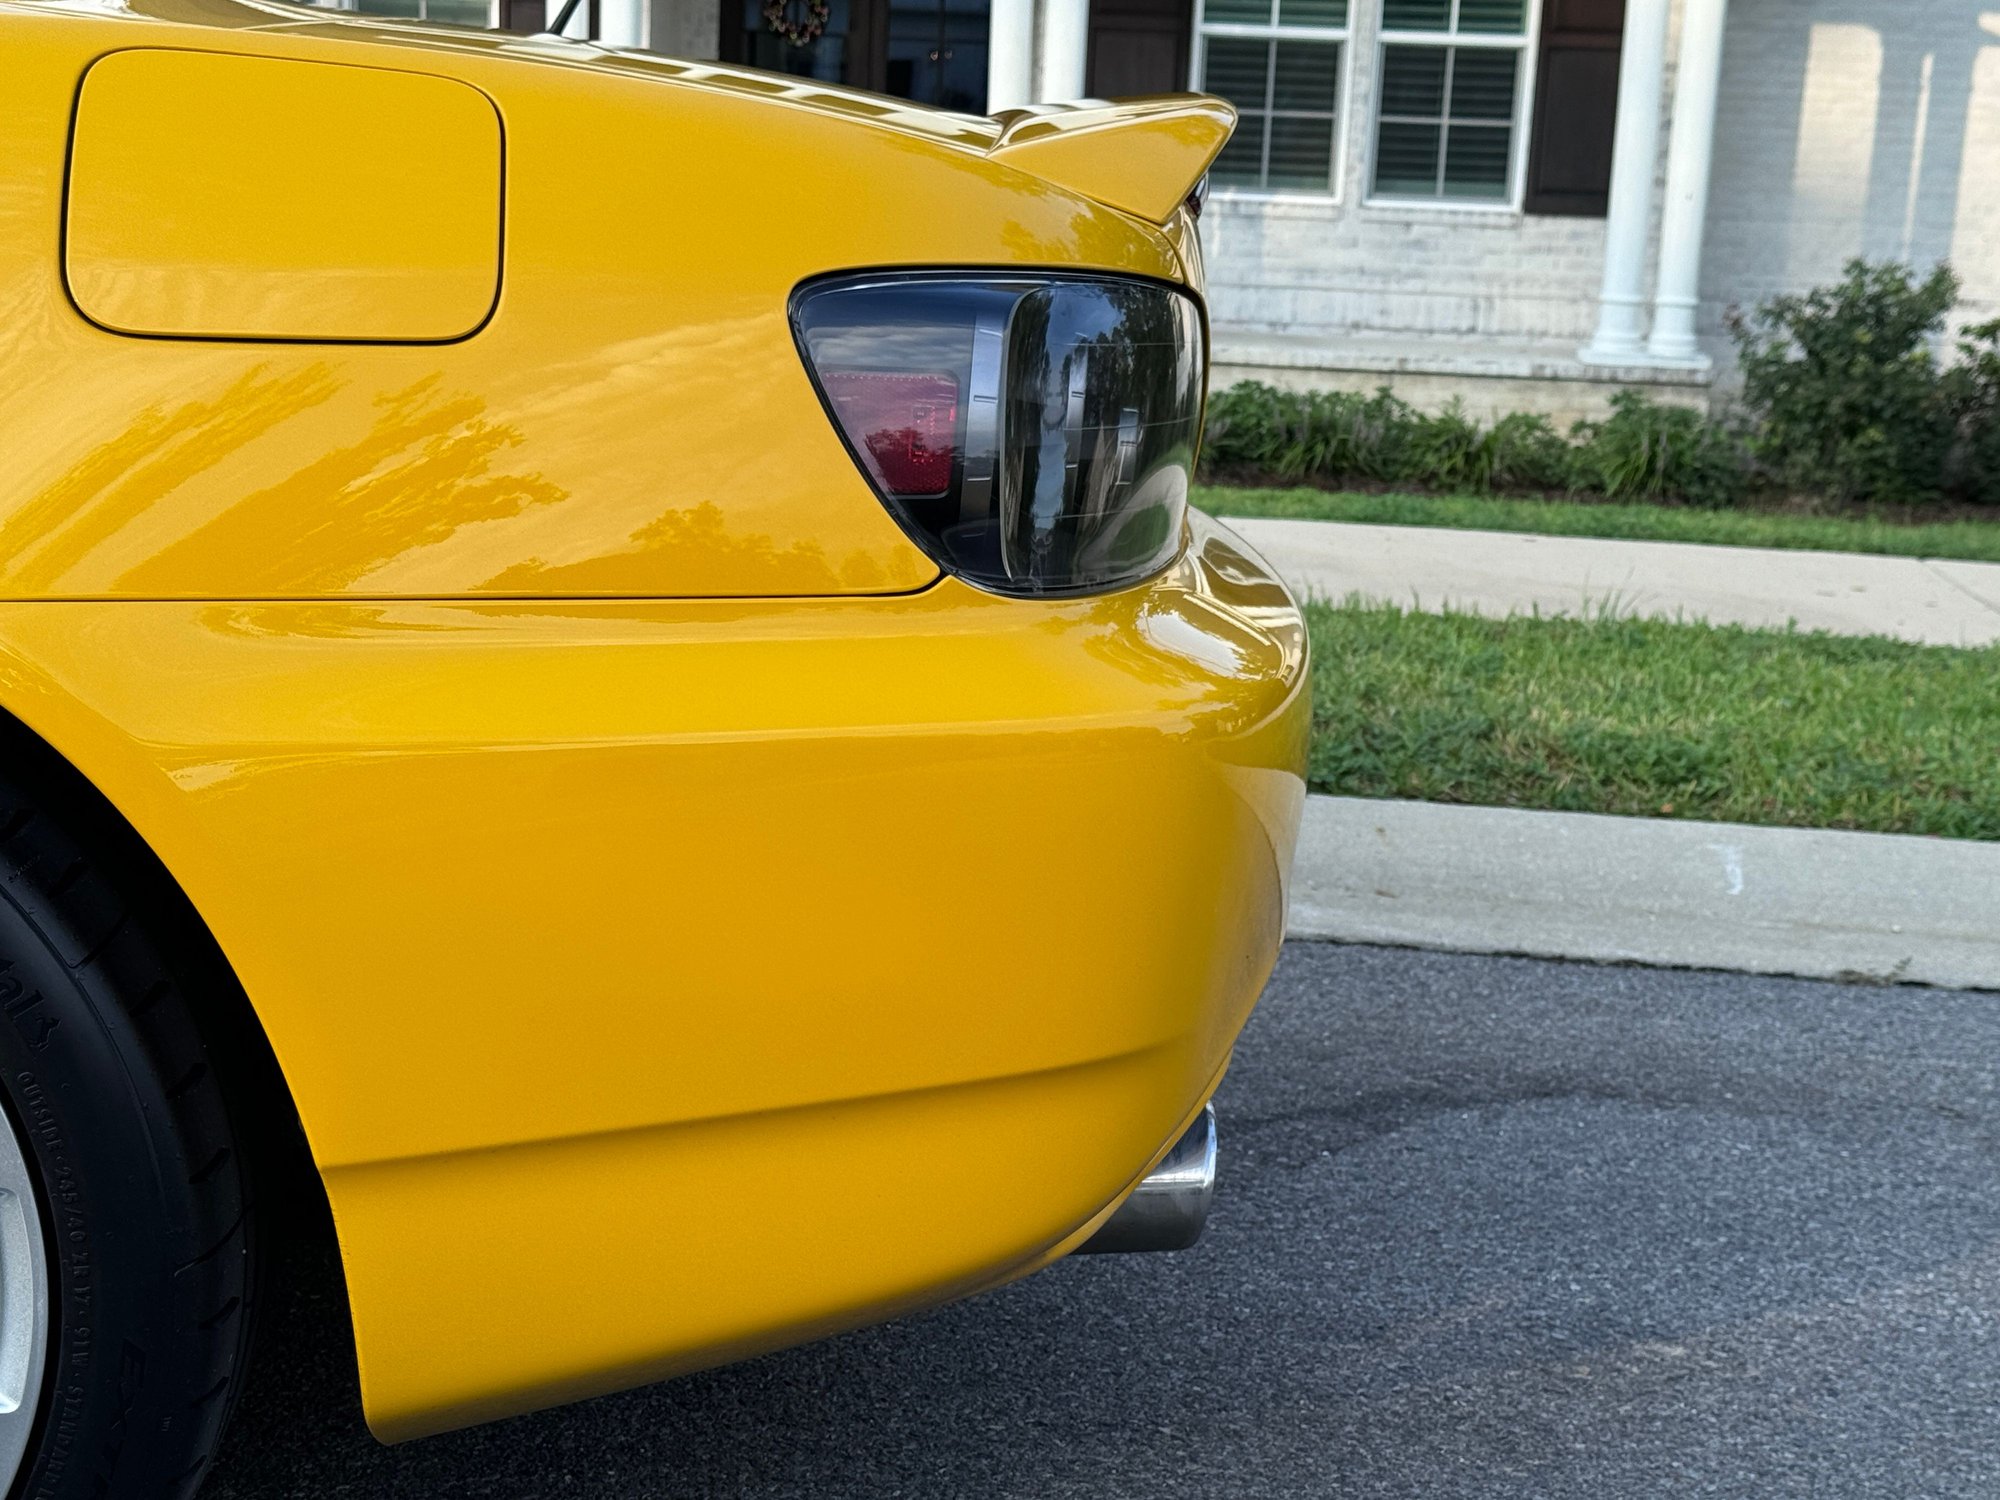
{"x": 1487, "y": 1227}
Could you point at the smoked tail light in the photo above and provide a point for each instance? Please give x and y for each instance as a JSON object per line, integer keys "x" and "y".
{"x": 1035, "y": 434}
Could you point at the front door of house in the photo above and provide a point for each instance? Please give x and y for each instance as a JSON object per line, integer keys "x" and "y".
{"x": 932, "y": 51}
{"x": 937, "y": 53}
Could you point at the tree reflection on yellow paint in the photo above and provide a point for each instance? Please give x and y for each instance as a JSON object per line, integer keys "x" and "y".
{"x": 160, "y": 450}
{"x": 425, "y": 468}
{"x": 699, "y": 544}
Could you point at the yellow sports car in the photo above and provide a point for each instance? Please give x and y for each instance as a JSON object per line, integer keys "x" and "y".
{"x": 670, "y": 719}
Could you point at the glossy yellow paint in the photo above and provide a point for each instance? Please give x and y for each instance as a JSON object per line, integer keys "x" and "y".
{"x": 687, "y": 978}
{"x": 1143, "y": 156}
{"x": 791, "y": 937}
{"x": 218, "y": 196}
{"x": 634, "y": 420}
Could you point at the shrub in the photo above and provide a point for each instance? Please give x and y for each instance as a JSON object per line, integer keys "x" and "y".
{"x": 1647, "y": 451}
{"x": 1844, "y": 396}
{"x": 1974, "y": 392}
{"x": 1243, "y": 424}
{"x": 1449, "y": 451}
{"x": 1343, "y": 433}
{"x": 1330, "y": 436}
{"x": 1529, "y": 454}
{"x": 1310, "y": 434}
{"x": 1642, "y": 451}
{"x": 1452, "y": 452}
{"x": 1844, "y": 388}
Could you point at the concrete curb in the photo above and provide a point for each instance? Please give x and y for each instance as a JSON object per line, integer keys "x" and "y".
{"x": 1856, "y": 906}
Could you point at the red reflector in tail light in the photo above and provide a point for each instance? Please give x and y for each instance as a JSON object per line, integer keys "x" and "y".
{"x": 908, "y": 424}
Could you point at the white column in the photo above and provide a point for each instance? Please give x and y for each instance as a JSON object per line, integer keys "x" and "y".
{"x": 621, "y": 23}
{"x": 1065, "y": 46}
{"x": 1635, "y": 154}
{"x": 1010, "y": 55}
{"x": 1690, "y": 153}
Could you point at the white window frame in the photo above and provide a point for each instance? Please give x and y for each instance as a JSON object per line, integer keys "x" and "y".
{"x": 492, "y": 11}
{"x": 1335, "y": 190}
{"x": 1528, "y": 45}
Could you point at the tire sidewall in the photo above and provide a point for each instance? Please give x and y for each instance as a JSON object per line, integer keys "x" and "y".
{"x": 84, "y": 1101}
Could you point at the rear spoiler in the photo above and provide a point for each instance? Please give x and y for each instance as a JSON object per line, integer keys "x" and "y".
{"x": 1143, "y": 156}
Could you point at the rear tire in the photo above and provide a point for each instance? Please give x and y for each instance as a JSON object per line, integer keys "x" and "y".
{"x": 118, "y": 1110}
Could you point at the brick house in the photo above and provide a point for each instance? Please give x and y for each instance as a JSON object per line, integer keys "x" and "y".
{"x": 1524, "y": 203}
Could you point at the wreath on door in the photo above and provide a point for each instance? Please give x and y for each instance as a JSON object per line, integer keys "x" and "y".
{"x": 799, "y": 29}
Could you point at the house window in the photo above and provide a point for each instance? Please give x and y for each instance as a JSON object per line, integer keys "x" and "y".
{"x": 1279, "y": 62}
{"x": 482, "y": 13}
{"x": 1450, "y": 92}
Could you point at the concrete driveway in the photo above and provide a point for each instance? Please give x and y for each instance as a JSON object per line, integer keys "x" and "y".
{"x": 1488, "y": 1227}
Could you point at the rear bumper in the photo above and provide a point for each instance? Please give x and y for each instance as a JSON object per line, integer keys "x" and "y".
{"x": 985, "y": 977}
{"x": 680, "y": 979}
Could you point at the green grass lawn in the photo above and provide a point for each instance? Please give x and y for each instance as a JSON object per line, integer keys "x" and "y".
{"x": 1977, "y": 541}
{"x": 1656, "y": 719}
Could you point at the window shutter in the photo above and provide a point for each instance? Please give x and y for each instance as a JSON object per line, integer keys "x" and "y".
{"x": 525, "y": 16}
{"x": 1576, "y": 105}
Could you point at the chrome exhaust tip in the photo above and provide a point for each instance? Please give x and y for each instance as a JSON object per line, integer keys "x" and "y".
{"x": 1168, "y": 1209}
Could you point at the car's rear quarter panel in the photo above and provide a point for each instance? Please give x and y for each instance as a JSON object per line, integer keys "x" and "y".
{"x": 664, "y": 976}
{"x": 634, "y": 421}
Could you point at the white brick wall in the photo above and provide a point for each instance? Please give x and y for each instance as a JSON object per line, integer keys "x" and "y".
{"x": 1855, "y": 127}
{"x": 1289, "y": 266}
